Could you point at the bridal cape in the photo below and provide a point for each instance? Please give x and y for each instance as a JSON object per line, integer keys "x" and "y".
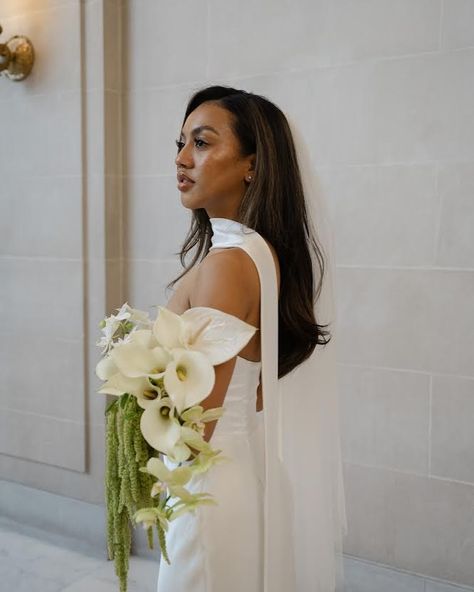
{"x": 304, "y": 503}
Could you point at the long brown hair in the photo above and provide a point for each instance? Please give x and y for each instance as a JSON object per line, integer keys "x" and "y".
{"x": 274, "y": 206}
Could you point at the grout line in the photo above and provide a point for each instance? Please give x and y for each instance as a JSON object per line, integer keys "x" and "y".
{"x": 406, "y": 370}
{"x": 408, "y": 472}
{"x": 401, "y": 570}
{"x": 43, "y": 415}
{"x": 192, "y": 85}
{"x": 440, "y": 26}
{"x": 208, "y": 39}
{"x": 430, "y": 415}
{"x": 40, "y": 258}
{"x": 437, "y": 233}
{"x": 403, "y": 267}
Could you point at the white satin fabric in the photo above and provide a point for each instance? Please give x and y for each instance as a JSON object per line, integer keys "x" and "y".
{"x": 220, "y": 548}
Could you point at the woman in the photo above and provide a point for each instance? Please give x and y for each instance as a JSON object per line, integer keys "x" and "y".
{"x": 238, "y": 172}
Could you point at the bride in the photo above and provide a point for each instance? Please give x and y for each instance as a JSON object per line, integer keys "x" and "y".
{"x": 243, "y": 172}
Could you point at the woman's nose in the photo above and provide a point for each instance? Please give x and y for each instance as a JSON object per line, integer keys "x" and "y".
{"x": 184, "y": 158}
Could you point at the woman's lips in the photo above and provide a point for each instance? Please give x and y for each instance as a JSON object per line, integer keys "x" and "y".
{"x": 184, "y": 183}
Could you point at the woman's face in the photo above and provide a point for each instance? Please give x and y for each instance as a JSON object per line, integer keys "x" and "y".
{"x": 208, "y": 153}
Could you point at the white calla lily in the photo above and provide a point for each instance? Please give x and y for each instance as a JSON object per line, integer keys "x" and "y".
{"x": 159, "y": 427}
{"x": 213, "y": 332}
{"x": 118, "y": 384}
{"x": 106, "y": 368}
{"x": 134, "y": 359}
{"x": 217, "y": 334}
{"x": 144, "y": 337}
{"x": 188, "y": 378}
{"x": 168, "y": 328}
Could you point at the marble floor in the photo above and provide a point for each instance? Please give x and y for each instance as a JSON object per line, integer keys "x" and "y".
{"x": 31, "y": 563}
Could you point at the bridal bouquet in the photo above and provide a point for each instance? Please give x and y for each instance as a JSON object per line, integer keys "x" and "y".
{"x": 159, "y": 370}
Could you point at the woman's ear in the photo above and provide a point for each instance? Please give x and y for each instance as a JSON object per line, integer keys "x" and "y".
{"x": 250, "y": 174}
{"x": 253, "y": 160}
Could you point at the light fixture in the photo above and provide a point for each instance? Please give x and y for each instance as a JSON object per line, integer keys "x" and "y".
{"x": 16, "y": 57}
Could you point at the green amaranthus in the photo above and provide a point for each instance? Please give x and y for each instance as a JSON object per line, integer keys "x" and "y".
{"x": 127, "y": 489}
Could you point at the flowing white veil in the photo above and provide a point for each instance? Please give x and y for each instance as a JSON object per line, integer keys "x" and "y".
{"x": 309, "y": 436}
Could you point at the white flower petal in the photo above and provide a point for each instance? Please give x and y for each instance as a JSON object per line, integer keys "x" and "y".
{"x": 106, "y": 368}
{"x": 180, "y": 452}
{"x": 167, "y": 328}
{"x": 193, "y": 413}
{"x": 156, "y": 467}
{"x": 189, "y": 378}
{"x": 217, "y": 334}
{"x": 161, "y": 432}
{"x": 119, "y": 384}
{"x": 133, "y": 359}
{"x": 143, "y": 337}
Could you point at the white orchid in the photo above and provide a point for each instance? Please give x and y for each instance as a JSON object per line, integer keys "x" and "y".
{"x": 114, "y": 327}
{"x": 149, "y": 516}
{"x": 172, "y": 480}
{"x": 206, "y": 459}
{"x": 196, "y": 417}
{"x": 139, "y": 317}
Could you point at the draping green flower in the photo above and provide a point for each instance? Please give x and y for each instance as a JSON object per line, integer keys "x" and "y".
{"x": 189, "y": 378}
{"x": 159, "y": 426}
{"x": 218, "y": 335}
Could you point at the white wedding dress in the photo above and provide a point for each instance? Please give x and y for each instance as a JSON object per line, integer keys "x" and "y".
{"x": 219, "y": 548}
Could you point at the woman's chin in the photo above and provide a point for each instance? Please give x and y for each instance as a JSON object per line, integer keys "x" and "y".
{"x": 192, "y": 203}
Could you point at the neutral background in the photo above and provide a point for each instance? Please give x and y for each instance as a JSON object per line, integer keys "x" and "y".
{"x": 90, "y": 217}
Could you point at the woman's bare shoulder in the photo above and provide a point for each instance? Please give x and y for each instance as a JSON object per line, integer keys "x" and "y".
{"x": 225, "y": 278}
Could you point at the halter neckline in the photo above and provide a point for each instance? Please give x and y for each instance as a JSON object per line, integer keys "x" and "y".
{"x": 227, "y": 232}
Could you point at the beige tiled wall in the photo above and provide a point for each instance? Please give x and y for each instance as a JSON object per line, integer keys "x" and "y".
{"x": 384, "y": 95}
{"x": 383, "y": 91}
{"x": 60, "y": 247}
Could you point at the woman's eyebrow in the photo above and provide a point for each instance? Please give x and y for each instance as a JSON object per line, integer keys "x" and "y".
{"x": 199, "y": 129}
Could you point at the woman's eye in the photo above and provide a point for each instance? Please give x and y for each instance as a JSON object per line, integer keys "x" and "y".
{"x": 180, "y": 144}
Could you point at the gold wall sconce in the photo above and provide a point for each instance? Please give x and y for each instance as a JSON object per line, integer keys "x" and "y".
{"x": 16, "y": 57}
